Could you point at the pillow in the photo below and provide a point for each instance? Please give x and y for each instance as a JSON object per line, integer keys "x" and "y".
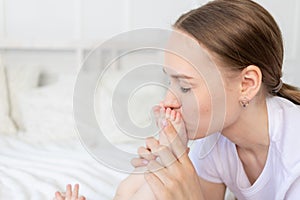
{"x": 6, "y": 124}
{"x": 20, "y": 79}
{"x": 47, "y": 110}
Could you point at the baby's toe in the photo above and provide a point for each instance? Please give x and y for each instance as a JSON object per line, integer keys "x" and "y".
{"x": 162, "y": 112}
{"x": 177, "y": 118}
{"x": 173, "y": 115}
{"x": 168, "y": 113}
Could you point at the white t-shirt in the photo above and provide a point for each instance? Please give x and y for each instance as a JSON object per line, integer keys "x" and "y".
{"x": 280, "y": 178}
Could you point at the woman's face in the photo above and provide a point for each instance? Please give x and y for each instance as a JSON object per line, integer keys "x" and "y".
{"x": 197, "y": 92}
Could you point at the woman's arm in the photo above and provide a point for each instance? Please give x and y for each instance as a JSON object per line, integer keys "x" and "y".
{"x": 212, "y": 190}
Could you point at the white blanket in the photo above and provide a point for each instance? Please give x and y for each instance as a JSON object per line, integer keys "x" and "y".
{"x": 36, "y": 170}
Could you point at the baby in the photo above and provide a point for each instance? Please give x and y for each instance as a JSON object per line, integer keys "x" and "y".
{"x": 136, "y": 186}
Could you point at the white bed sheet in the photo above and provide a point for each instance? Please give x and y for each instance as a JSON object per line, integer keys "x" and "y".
{"x": 36, "y": 170}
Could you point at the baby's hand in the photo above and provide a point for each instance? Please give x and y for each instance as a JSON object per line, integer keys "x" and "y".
{"x": 69, "y": 195}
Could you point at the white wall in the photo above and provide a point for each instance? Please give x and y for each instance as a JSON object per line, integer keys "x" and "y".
{"x": 287, "y": 15}
{"x": 53, "y": 33}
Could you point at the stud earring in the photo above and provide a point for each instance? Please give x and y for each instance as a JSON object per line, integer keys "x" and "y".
{"x": 244, "y": 102}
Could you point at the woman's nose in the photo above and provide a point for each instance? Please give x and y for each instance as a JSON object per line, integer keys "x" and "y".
{"x": 171, "y": 101}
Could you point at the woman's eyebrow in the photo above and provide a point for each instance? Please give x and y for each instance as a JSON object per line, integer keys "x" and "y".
{"x": 178, "y": 76}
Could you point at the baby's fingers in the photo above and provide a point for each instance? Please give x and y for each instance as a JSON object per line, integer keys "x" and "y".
{"x": 75, "y": 192}
{"x": 68, "y": 192}
{"x": 81, "y": 198}
{"x": 58, "y": 196}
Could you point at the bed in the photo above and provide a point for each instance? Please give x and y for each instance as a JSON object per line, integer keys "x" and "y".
{"x": 43, "y": 152}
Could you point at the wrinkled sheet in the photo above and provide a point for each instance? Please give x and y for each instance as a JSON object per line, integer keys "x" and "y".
{"x": 35, "y": 170}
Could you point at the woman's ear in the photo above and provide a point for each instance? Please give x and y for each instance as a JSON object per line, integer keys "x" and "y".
{"x": 251, "y": 79}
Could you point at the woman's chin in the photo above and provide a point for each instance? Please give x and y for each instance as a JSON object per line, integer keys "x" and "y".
{"x": 193, "y": 135}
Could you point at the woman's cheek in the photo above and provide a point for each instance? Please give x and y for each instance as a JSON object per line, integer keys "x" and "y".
{"x": 191, "y": 119}
{"x": 197, "y": 119}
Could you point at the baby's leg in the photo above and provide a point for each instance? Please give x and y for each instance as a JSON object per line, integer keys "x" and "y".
{"x": 129, "y": 186}
{"x": 134, "y": 187}
{"x": 144, "y": 193}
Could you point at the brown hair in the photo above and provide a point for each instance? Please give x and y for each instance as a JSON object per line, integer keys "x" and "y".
{"x": 241, "y": 33}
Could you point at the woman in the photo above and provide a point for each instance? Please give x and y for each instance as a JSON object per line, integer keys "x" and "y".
{"x": 256, "y": 154}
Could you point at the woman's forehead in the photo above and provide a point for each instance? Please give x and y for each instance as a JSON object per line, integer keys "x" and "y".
{"x": 175, "y": 64}
{"x": 196, "y": 68}
{"x": 185, "y": 55}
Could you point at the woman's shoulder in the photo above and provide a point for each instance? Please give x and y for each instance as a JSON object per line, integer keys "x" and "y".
{"x": 284, "y": 128}
{"x": 283, "y": 117}
{"x": 283, "y": 114}
{"x": 276, "y": 102}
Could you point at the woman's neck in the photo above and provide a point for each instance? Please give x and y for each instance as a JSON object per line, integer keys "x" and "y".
{"x": 250, "y": 132}
{"x": 251, "y": 136}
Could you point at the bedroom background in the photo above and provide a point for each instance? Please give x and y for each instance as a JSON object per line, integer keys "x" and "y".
{"x": 42, "y": 47}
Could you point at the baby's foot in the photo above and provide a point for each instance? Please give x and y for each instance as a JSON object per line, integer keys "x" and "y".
{"x": 175, "y": 118}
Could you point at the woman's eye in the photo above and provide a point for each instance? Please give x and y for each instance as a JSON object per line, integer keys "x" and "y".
{"x": 185, "y": 90}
